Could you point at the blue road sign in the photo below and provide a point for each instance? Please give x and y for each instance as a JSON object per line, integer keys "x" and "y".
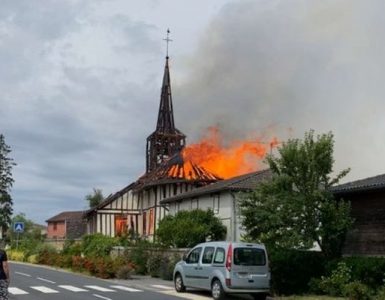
{"x": 18, "y": 227}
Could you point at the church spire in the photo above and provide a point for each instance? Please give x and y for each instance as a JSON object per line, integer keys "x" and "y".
{"x": 166, "y": 140}
{"x": 166, "y": 114}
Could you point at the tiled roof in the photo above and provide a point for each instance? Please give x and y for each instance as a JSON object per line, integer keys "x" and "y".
{"x": 371, "y": 183}
{"x": 240, "y": 183}
{"x": 67, "y": 215}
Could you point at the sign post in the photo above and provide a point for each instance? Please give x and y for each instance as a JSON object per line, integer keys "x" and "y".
{"x": 18, "y": 227}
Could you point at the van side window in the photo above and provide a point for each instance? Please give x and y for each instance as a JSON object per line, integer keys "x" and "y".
{"x": 193, "y": 257}
{"x": 208, "y": 255}
{"x": 219, "y": 256}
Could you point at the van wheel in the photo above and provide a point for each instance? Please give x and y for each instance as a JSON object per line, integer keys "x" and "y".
{"x": 259, "y": 296}
{"x": 178, "y": 282}
{"x": 217, "y": 290}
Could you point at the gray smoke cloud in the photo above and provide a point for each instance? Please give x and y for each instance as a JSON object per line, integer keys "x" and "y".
{"x": 284, "y": 67}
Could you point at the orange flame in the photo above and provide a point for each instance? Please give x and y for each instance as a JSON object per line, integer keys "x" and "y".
{"x": 238, "y": 158}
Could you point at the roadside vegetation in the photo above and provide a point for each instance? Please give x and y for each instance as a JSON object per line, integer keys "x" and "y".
{"x": 93, "y": 255}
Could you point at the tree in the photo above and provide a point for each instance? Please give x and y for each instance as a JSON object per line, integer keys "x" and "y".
{"x": 296, "y": 208}
{"x": 6, "y": 182}
{"x": 188, "y": 228}
{"x": 95, "y": 199}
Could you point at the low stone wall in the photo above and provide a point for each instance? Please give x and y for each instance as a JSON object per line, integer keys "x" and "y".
{"x": 58, "y": 243}
{"x": 119, "y": 250}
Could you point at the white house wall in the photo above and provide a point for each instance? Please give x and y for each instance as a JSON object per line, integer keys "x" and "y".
{"x": 224, "y": 206}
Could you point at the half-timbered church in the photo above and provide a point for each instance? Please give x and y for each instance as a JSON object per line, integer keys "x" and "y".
{"x": 136, "y": 208}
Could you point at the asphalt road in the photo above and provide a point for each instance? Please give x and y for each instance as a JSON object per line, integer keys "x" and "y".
{"x": 33, "y": 282}
{"x": 30, "y": 282}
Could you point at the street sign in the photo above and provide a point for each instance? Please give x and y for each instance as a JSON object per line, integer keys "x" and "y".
{"x": 18, "y": 227}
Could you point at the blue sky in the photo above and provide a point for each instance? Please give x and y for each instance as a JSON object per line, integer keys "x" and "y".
{"x": 80, "y": 84}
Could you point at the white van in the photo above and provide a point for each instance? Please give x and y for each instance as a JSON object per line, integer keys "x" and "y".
{"x": 225, "y": 268}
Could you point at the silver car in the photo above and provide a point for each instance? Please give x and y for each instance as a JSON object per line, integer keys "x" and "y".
{"x": 225, "y": 268}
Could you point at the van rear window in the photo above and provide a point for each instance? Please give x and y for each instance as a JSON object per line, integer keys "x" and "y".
{"x": 249, "y": 257}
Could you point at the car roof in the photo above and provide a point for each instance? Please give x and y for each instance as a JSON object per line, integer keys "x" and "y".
{"x": 226, "y": 243}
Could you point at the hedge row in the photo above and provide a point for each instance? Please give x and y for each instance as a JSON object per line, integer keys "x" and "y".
{"x": 304, "y": 272}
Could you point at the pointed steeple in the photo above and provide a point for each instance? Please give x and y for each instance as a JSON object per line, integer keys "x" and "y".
{"x": 166, "y": 115}
{"x": 166, "y": 140}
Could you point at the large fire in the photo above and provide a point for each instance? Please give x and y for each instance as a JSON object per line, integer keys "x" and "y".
{"x": 239, "y": 157}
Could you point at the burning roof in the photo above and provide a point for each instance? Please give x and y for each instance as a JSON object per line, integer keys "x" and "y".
{"x": 177, "y": 169}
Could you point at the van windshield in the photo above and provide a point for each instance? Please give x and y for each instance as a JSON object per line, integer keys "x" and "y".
{"x": 249, "y": 257}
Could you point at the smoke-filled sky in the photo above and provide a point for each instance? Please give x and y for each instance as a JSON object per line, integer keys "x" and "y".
{"x": 80, "y": 84}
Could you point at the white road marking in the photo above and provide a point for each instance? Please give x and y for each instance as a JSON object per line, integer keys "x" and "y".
{"x": 101, "y": 297}
{"x": 19, "y": 273}
{"x": 125, "y": 288}
{"x": 164, "y": 287}
{"x": 16, "y": 291}
{"x": 46, "y": 280}
{"x": 44, "y": 289}
{"x": 72, "y": 288}
{"x": 98, "y": 288}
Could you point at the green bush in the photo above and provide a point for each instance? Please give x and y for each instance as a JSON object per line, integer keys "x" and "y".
{"x": 292, "y": 270}
{"x": 16, "y": 255}
{"x": 46, "y": 254}
{"x": 139, "y": 255}
{"x": 190, "y": 228}
{"x": 125, "y": 271}
{"x": 72, "y": 248}
{"x": 167, "y": 267}
{"x": 334, "y": 285}
{"x": 380, "y": 293}
{"x": 356, "y": 291}
{"x": 368, "y": 270}
{"x": 153, "y": 264}
{"x": 97, "y": 245}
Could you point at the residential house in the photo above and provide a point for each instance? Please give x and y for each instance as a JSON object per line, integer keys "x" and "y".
{"x": 367, "y": 198}
{"x": 67, "y": 225}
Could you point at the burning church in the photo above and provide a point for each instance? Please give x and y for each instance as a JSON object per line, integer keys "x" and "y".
{"x": 137, "y": 207}
{"x": 173, "y": 172}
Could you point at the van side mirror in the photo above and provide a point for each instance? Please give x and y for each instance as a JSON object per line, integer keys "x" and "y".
{"x": 184, "y": 257}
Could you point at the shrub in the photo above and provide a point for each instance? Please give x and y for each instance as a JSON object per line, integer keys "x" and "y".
{"x": 304, "y": 264}
{"x": 380, "y": 293}
{"x": 334, "y": 284}
{"x": 167, "y": 267}
{"x": 46, "y": 254}
{"x": 190, "y": 228}
{"x": 78, "y": 263}
{"x": 72, "y": 248}
{"x": 356, "y": 291}
{"x": 32, "y": 259}
{"x": 368, "y": 270}
{"x": 139, "y": 255}
{"x": 15, "y": 255}
{"x": 153, "y": 264}
{"x": 125, "y": 271}
{"x": 97, "y": 245}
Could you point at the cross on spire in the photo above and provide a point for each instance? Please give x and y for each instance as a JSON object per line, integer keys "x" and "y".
{"x": 167, "y": 39}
